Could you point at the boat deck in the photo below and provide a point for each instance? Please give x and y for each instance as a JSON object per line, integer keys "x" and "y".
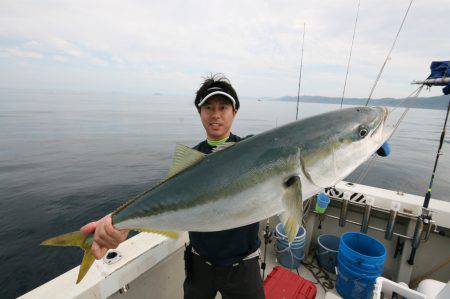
{"x": 152, "y": 266}
{"x": 271, "y": 262}
{"x": 170, "y": 285}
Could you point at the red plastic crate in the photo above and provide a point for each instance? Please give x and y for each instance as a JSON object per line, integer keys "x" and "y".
{"x": 283, "y": 284}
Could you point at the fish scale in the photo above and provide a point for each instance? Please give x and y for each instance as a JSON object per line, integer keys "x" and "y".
{"x": 266, "y": 174}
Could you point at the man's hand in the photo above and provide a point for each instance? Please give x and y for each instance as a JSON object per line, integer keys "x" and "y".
{"x": 105, "y": 236}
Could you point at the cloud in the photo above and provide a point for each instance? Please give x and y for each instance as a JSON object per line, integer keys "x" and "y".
{"x": 60, "y": 58}
{"x": 256, "y": 43}
{"x": 20, "y": 53}
{"x": 98, "y": 61}
{"x": 64, "y": 47}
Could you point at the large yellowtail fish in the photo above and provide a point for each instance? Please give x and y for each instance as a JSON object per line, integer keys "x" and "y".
{"x": 243, "y": 183}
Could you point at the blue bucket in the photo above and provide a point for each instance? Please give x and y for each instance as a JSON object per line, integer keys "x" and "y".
{"x": 327, "y": 252}
{"x": 360, "y": 261}
{"x": 289, "y": 255}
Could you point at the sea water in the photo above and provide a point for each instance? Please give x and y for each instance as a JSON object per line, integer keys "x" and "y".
{"x": 70, "y": 158}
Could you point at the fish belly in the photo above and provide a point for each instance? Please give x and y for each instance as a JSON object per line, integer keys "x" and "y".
{"x": 252, "y": 205}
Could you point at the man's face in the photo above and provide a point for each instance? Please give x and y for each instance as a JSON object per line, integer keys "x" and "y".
{"x": 217, "y": 116}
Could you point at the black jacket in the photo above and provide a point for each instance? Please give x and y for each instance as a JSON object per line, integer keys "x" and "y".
{"x": 224, "y": 248}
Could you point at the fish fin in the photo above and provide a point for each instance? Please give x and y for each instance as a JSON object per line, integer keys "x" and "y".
{"x": 305, "y": 170}
{"x": 167, "y": 233}
{"x": 86, "y": 263}
{"x": 79, "y": 239}
{"x": 183, "y": 158}
{"x": 313, "y": 174}
{"x": 293, "y": 203}
{"x": 223, "y": 146}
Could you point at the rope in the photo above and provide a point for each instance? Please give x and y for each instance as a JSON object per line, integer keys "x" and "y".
{"x": 350, "y": 56}
{"x": 300, "y": 76}
{"x": 320, "y": 275}
{"x": 389, "y": 54}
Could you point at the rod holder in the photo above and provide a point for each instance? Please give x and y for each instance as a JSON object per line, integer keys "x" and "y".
{"x": 430, "y": 225}
{"x": 366, "y": 216}
{"x": 416, "y": 239}
{"x": 344, "y": 209}
{"x": 425, "y": 219}
{"x": 395, "y": 207}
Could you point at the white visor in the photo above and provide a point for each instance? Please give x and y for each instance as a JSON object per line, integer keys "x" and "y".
{"x": 216, "y": 93}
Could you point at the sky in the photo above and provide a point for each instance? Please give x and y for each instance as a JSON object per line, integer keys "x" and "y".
{"x": 169, "y": 46}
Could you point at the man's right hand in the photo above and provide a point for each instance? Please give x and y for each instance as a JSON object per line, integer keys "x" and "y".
{"x": 105, "y": 236}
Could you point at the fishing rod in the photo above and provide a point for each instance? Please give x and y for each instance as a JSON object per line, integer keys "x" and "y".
{"x": 438, "y": 154}
{"x": 301, "y": 68}
{"x": 426, "y": 215}
{"x": 388, "y": 56}
{"x": 350, "y": 55}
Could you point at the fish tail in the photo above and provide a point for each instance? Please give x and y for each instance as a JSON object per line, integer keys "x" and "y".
{"x": 77, "y": 239}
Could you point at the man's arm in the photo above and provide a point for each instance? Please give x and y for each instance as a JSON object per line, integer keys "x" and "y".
{"x": 105, "y": 236}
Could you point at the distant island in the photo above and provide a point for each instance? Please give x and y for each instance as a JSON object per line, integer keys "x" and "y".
{"x": 438, "y": 103}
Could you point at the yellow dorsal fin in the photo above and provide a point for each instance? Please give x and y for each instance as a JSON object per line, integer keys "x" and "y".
{"x": 167, "y": 233}
{"x": 183, "y": 158}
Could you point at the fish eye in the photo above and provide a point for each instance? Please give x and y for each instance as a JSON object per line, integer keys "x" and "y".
{"x": 362, "y": 131}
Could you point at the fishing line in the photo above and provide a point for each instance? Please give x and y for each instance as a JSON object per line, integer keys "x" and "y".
{"x": 414, "y": 94}
{"x": 350, "y": 56}
{"x": 301, "y": 68}
{"x": 389, "y": 55}
{"x": 366, "y": 171}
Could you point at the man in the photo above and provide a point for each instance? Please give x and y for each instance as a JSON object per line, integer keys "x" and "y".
{"x": 223, "y": 261}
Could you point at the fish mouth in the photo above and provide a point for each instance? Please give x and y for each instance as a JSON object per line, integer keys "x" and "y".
{"x": 391, "y": 120}
{"x": 382, "y": 124}
{"x": 384, "y": 112}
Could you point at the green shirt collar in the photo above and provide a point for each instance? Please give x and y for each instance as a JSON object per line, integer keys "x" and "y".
{"x": 217, "y": 142}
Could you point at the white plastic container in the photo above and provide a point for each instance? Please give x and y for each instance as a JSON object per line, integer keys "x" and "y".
{"x": 384, "y": 288}
{"x": 433, "y": 288}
